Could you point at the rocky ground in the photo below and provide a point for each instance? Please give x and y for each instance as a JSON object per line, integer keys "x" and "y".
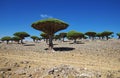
{"x": 87, "y": 59}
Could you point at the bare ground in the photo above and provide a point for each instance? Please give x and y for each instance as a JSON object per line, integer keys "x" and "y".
{"x": 88, "y": 59}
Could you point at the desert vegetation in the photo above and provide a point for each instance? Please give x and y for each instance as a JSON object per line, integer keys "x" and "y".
{"x": 21, "y": 35}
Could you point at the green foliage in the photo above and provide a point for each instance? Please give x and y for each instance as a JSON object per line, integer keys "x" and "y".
{"x": 118, "y": 34}
{"x": 90, "y": 34}
{"x": 98, "y": 35}
{"x": 106, "y": 34}
{"x": 6, "y": 38}
{"x": 50, "y": 25}
{"x": 63, "y": 34}
{"x": 57, "y": 37}
{"x": 38, "y": 38}
{"x": 74, "y": 35}
{"x": 35, "y": 38}
{"x": 44, "y": 35}
{"x": 22, "y": 35}
{"x": 16, "y": 38}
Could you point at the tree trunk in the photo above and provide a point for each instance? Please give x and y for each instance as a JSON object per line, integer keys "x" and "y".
{"x": 7, "y": 41}
{"x": 18, "y": 42}
{"x": 33, "y": 40}
{"x": 50, "y": 42}
{"x": 92, "y": 38}
{"x": 75, "y": 41}
{"x": 102, "y": 37}
{"x": 63, "y": 39}
{"x": 21, "y": 41}
{"x": 107, "y": 37}
{"x": 118, "y": 37}
{"x": 46, "y": 41}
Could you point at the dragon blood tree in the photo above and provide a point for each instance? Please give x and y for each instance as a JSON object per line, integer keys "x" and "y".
{"x": 50, "y": 26}
{"x": 22, "y": 35}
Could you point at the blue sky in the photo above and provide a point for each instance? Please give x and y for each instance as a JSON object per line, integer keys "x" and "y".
{"x": 81, "y": 15}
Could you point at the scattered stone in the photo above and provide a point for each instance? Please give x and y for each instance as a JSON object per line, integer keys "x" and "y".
{"x": 16, "y": 65}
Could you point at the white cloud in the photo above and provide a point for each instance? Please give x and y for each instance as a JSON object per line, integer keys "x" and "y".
{"x": 45, "y": 16}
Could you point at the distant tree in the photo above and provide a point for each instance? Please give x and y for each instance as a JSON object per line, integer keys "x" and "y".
{"x": 85, "y": 37}
{"x": 106, "y": 34}
{"x": 57, "y": 37}
{"x": 22, "y": 35}
{"x": 35, "y": 38}
{"x": 63, "y": 35}
{"x": 6, "y": 38}
{"x": 118, "y": 34}
{"x": 44, "y": 36}
{"x": 38, "y": 39}
{"x": 91, "y": 35}
{"x": 16, "y": 38}
{"x": 73, "y": 35}
{"x": 81, "y": 35}
{"x": 50, "y": 26}
{"x": 99, "y": 35}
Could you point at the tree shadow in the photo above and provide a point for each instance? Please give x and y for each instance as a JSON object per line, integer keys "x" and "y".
{"x": 66, "y": 41}
{"x": 62, "y": 48}
{"x": 78, "y": 42}
{"x": 53, "y": 44}
{"x": 29, "y": 44}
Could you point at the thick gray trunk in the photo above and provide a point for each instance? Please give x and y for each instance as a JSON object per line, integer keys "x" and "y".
{"x": 50, "y": 42}
{"x": 7, "y": 41}
{"x": 107, "y": 37}
{"x": 22, "y": 41}
{"x": 92, "y": 38}
{"x": 75, "y": 41}
{"x": 63, "y": 39}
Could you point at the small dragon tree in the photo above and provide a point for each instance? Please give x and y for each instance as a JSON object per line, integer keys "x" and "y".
{"x": 91, "y": 35}
{"x": 35, "y": 38}
{"x": 16, "y": 38}
{"x": 44, "y": 36}
{"x": 99, "y": 35}
{"x": 118, "y": 34}
{"x": 74, "y": 35}
{"x": 63, "y": 35}
{"x": 22, "y": 35}
{"x": 50, "y": 26}
{"x": 106, "y": 34}
{"x": 57, "y": 37}
{"x": 6, "y": 38}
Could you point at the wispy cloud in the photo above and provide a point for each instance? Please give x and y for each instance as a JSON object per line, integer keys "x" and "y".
{"x": 45, "y": 16}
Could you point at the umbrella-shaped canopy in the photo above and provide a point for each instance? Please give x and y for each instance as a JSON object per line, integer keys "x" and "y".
{"x": 50, "y": 25}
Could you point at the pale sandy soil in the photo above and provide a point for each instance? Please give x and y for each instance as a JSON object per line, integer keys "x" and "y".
{"x": 93, "y": 59}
